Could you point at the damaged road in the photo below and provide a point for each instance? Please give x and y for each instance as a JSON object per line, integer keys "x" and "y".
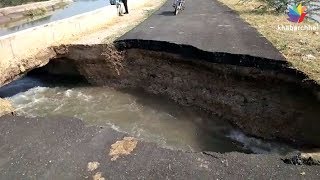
{"x": 64, "y": 148}
{"x": 254, "y": 100}
{"x": 207, "y": 25}
{"x": 259, "y": 102}
{"x": 226, "y": 69}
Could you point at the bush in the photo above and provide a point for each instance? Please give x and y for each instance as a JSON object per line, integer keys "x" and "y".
{"x": 281, "y": 6}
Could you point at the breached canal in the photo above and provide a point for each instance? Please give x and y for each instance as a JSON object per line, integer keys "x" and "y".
{"x": 173, "y": 99}
{"x": 193, "y": 113}
{"x": 145, "y": 116}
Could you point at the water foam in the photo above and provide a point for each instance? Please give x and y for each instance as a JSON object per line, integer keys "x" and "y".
{"x": 166, "y": 124}
{"x": 257, "y": 145}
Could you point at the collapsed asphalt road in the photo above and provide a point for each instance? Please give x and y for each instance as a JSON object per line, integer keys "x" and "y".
{"x": 61, "y": 148}
{"x": 207, "y": 25}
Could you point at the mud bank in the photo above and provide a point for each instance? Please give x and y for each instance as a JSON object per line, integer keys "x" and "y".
{"x": 271, "y": 102}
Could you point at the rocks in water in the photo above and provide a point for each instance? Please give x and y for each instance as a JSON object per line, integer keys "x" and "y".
{"x": 294, "y": 159}
{"x": 313, "y": 158}
{"x": 303, "y": 158}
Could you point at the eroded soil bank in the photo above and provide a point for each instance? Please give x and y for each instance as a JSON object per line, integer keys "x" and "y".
{"x": 267, "y": 103}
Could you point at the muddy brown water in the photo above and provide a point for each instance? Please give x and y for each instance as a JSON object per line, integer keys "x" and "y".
{"x": 148, "y": 117}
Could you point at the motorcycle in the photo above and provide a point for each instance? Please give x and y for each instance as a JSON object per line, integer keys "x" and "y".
{"x": 178, "y": 6}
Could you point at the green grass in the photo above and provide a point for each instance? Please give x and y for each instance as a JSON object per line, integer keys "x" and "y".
{"x": 297, "y": 47}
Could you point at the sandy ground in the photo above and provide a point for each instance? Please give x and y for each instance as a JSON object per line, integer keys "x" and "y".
{"x": 119, "y": 26}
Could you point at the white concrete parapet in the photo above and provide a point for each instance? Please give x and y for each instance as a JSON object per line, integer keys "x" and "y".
{"x": 24, "y": 44}
{"x": 30, "y": 6}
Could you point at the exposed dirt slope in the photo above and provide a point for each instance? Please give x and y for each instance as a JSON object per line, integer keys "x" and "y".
{"x": 265, "y": 103}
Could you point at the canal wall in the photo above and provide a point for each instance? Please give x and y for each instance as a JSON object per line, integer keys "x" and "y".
{"x": 15, "y": 13}
{"x": 19, "y": 51}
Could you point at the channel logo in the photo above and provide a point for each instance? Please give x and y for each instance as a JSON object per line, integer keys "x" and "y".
{"x": 297, "y": 13}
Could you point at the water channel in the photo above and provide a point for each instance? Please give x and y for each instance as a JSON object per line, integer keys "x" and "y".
{"x": 148, "y": 117}
{"x": 74, "y": 8}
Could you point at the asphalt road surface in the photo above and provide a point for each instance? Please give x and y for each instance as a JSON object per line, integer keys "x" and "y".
{"x": 61, "y": 148}
{"x": 207, "y": 25}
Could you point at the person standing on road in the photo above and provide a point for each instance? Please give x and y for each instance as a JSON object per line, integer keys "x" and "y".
{"x": 125, "y": 3}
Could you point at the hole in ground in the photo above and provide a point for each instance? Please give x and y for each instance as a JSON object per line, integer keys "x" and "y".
{"x": 59, "y": 89}
{"x": 268, "y": 103}
{"x": 152, "y": 118}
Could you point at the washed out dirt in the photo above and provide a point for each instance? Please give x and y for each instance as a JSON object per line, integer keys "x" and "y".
{"x": 5, "y": 107}
{"x": 98, "y": 176}
{"x": 270, "y": 104}
{"x": 93, "y": 166}
{"x": 122, "y": 148}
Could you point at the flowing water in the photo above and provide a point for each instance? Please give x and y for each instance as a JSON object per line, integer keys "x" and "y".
{"x": 148, "y": 117}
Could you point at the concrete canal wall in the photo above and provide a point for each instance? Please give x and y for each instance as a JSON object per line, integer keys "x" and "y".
{"x": 14, "y": 13}
{"x": 18, "y": 48}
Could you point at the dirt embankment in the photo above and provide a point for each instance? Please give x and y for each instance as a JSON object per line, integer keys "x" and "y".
{"x": 266, "y": 103}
